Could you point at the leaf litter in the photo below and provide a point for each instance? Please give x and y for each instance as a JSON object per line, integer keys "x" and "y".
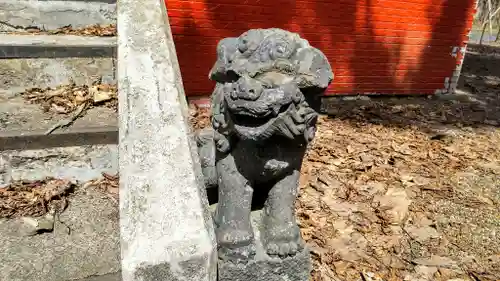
{"x": 91, "y": 30}
{"x": 72, "y": 99}
{"x": 199, "y": 117}
{"x": 108, "y": 184}
{"x": 386, "y": 197}
{"x": 34, "y": 198}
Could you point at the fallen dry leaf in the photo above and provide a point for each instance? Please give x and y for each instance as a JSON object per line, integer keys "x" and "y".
{"x": 34, "y": 198}
{"x": 198, "y": 117}
{"x": 108, "y": 184}
{"x": 66, "y": 99}
{"x": 91, "y": 30}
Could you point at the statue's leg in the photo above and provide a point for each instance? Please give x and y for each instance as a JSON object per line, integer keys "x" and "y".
{"x": 206, "y": 150}
{"x": 234, "y": 232}
{"x": 281, "y": 235}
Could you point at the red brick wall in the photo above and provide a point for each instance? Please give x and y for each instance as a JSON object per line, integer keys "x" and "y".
{"x": 374, "y": 46}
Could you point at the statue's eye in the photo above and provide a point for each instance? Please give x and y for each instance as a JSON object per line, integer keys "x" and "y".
{"x": 243, "y": 44}
{"x": 281, "y": 50}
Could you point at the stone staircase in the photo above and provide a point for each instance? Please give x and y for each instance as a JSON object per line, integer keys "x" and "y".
{"x": 84, "y": 244}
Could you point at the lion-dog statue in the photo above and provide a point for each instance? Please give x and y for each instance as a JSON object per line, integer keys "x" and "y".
{"x": 269, "y": 83}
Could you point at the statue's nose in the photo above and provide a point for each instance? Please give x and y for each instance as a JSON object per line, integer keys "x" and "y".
{"x": 248, "y": 89}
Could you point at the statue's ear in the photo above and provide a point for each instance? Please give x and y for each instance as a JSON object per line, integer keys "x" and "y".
{"x": 226, "y": 50}
{"x": 314, "y": 69}
{"x": 315, "y": 75}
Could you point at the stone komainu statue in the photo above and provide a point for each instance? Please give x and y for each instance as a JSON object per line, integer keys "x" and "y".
{"x": 263, "y": 116}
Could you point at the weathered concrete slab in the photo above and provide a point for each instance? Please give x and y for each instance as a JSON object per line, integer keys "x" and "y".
{"x": 43, "y": 40}
{"x": 17, "y": 115}
{"x": 89, "y": 250}
{"x": 19, "y": 14}
{"x": 17, "y": 75}
{"x": 71, "y": 136}
{"x": 69, "y": 157}
{"x": 55, "y": 46}
{"x": 77, "y": 163}
{"x": 166, "y": 228}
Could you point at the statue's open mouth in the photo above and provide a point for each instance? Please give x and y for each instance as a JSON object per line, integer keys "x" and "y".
{"x": 250, "y": 120}
{"x": 245, "y": 120}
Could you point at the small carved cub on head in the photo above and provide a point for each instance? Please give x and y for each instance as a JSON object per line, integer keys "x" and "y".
{"x": 263, "y": 115}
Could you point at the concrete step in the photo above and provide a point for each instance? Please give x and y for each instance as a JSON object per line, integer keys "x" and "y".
{"x": 80, "y": 152}
{"x": 19, "y": 117}
{"x": 28, "y": 61}
{"x": 19, "y": 15}
{"x": 84, "y": 244}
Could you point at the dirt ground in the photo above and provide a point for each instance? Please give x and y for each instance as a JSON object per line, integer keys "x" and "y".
{"x": 407, "y": 188}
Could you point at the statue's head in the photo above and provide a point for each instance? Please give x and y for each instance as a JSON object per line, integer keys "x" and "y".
{"x": 264, "y": 74}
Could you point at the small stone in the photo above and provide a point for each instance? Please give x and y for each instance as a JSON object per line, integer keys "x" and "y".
{"x": 32, "y": 226}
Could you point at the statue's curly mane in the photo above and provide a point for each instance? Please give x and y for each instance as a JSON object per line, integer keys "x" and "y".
{"x": 267, "y": 82}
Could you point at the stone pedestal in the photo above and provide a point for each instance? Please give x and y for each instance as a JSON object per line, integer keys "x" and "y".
{"x": 264, "y": 268}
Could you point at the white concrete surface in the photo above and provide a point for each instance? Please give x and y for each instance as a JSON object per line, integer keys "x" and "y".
{"x": 166, "y": 228}
{"x": 76, "y": 163}
{"x": 20, "y": 14}
{"x": 43, "y": 40}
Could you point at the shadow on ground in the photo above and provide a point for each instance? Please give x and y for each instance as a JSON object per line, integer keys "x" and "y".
{"x": 475, "y": 103}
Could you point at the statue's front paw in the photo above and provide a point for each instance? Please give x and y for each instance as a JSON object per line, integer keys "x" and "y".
{"x": 235, "y": 244}
{"x": 241, "y": 254}
{"x": 283, "y": 242}
{"x": 284, "y": 249}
